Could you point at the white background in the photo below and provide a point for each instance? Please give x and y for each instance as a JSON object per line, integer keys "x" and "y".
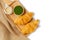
{"x": 48, "y": 12}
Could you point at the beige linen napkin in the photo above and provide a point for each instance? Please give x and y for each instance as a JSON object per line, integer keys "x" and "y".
{"x": 8, "y": 30}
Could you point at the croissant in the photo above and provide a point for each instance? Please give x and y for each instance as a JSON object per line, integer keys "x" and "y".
{"x": 30, "y": 27}
{"x": 23, "y": 19}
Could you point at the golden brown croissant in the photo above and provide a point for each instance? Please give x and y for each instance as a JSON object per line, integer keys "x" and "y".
{"x": 30, "y": 27}
{"x": 24, "y": 19}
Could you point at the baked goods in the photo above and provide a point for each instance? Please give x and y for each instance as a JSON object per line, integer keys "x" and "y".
{"x": 30, "y": 27}
{"x": 24, "y": 19}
